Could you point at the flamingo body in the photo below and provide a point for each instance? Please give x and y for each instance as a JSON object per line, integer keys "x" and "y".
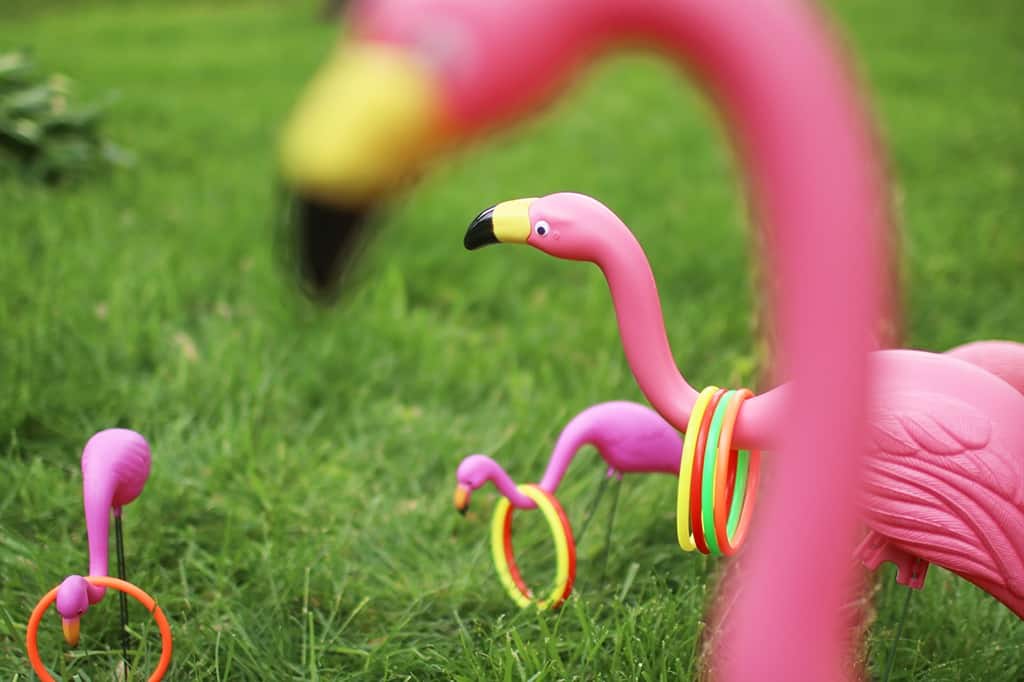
{"x": 631, "y": 438}
{"x": 945, "y": 477}
{"x": 115, "y": 467}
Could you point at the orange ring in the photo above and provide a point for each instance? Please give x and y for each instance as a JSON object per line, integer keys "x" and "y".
{"x": 747, "y": 513}
{"x": 32, "y": 645}
{"x": 727, "y": 459}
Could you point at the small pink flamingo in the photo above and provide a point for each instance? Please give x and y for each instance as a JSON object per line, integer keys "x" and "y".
{"x": 945, "y": 480}
{"x": 631, "y": 438}
{"x": 115, "y": 466}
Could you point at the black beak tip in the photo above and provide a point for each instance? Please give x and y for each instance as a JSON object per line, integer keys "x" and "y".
{"x": 481, "y": 231}
{"x": 463, "y": 510}
{"x": 324, "y": 241}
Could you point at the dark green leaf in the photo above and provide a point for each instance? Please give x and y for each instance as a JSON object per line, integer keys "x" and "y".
{"x": 44, "y": 130}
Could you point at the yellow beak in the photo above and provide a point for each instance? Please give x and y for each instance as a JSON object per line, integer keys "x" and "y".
{"x": 506, "y": 223}
{"x": 371, "y": 114}
{"x": 71, "y": 626}
{"x": 461, "y": 498}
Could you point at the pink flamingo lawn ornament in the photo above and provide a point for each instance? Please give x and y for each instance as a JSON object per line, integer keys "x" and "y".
{"x": 945, "y": 473}
{"x": 115, "y": 467}
{"x": 417, "y": 75}
{"x": 631, "y": 438}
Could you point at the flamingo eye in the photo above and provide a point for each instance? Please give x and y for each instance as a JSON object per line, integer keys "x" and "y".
{"x": 541, "y": 228}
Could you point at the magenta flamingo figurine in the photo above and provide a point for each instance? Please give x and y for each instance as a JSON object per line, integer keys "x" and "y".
{"x": 115, "y": 466}
{"x": 415, "y": 76}
{"x": 631, "y": 438}
{"x": 945, "y": 474}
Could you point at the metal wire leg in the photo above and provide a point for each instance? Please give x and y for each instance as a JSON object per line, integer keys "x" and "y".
{"x": 122, "y": 574}
{"x": 591, "y": 510}
{"x": 899, "y": 631}
{"x": 608, "y": 532}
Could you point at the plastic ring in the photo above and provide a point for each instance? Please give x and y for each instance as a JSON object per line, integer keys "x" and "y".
{"x": 737, "y": 537}
{"x": 32, "y": 645}
{"x": 731, "y": 469}
{"x": 696, "y": 478}
{"x": 684, "y": 533}
{"x": 504, "y": 557}
{"x": 739, "y": 474}
{"x": 740, "y": 514}
{"x": 743, "y": 525}
{"x": 711, "y": 459}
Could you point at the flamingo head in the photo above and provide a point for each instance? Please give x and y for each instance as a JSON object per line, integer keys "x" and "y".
{"x": 410, "y": 78}
{"x": 472, "y": 473}
{"x": 72, "y": 602}
{"x": 564, "y": 225}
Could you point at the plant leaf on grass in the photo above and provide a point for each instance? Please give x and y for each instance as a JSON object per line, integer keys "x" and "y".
{"x": 47, "y": 138}
{"x": 15, "y": 69}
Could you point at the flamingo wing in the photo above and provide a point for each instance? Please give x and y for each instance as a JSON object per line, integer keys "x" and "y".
{"x": 915, "y": 428}
{"x": 939, "y": 485}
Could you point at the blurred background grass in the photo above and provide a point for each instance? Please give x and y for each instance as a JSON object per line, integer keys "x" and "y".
{"x": 298, "y": 521}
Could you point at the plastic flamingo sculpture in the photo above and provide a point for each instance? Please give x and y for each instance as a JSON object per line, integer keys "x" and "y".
{"x": 945, "y": 480}
{"x": 632, "y": 439}
{"x": 416, "y": 75}
{"x": 115, "y": 466}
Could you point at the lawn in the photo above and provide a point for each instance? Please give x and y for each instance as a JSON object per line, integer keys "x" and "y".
{"x": 298, "y": 521}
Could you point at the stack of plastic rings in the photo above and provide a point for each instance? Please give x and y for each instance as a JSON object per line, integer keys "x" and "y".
{"x": 504, "y": 557}
{"x": 31, "y": 634}
{"x": 717, "y": 484}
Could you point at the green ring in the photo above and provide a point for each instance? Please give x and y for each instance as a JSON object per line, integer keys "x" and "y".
{"x": 739, "y": 492}
{"x": 707, "y": 490}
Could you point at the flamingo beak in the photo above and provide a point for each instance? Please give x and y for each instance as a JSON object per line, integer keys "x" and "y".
{"x": 71, "y": 626}
{"x": 461, "y": 498}
{"x": 369, "y": 118}
{"x": 506, "y": 223}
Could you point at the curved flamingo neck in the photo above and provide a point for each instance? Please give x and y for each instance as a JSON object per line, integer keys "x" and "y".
{"x": 507, "y": 487}
{"x": 815, "y": 183}
{"x": 642, "y": 325}
{"x": 97, "y": 494}
{"x": 645, "y": 342}
{"x": 578, "y": 432}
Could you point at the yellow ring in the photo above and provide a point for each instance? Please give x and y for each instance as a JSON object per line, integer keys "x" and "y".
{"x": 683, "y": 531}
{"x": 564, "y": 549}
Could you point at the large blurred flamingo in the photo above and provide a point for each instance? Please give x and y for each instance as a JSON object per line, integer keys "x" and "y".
{"x": 416, "y": 75}
{"x": 115, "y": 466}
{"x": 946, "y": 471}
{"x": 631, "y": 438}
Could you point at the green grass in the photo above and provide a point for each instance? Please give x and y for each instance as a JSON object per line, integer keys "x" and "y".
{"x": 298, "y": 524}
